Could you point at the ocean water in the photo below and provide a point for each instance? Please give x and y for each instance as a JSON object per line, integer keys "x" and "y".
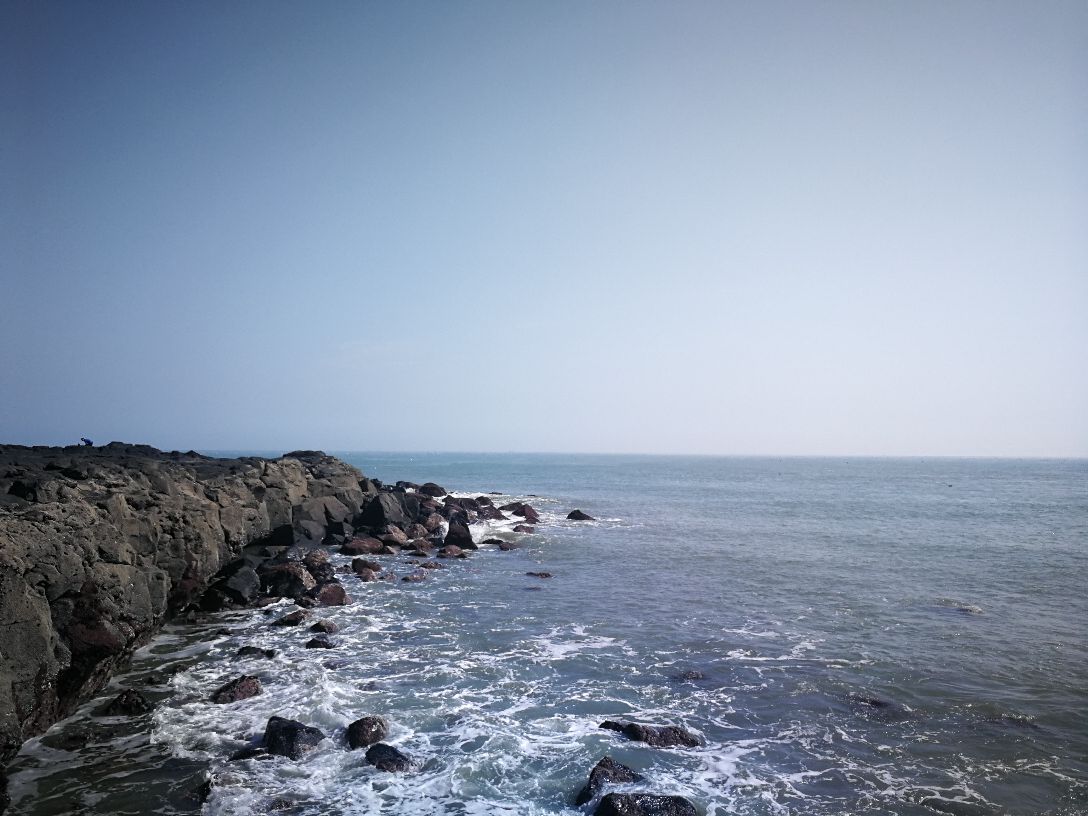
{"x": 848, "y": 636}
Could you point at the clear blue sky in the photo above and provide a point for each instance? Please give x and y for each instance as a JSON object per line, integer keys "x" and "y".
{"x": 808, "y": 227}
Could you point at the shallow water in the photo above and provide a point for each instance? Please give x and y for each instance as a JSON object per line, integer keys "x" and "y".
{"x": 848, "y": 636}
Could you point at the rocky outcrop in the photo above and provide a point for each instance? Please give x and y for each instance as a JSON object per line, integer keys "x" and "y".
{"x": 100, "y": 546}
{"x": 658, "y": 736}
{"x": 604, "y": 773}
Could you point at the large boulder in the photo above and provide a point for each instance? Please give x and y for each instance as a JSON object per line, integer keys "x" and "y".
{"x": 658, "y": 736}
{"x": 431, "y": 489}
{"x": 644, "y": 804}
{"x": 239, "y": 582}
{"x": 362, "y": 545}
{"x": 382, "y": 510}
{"x": 387, "y": 758}
{"x": 606, "y": 772}
{"x": 240, "y": 688}
{"x": 367, "y": 731}
{"x": 127, "y": 704}
{"x": 459, "y": 536}
{"x": 290, "y": 738}
{"x": 331, "y": 594}
{"x": 578, "y": 515}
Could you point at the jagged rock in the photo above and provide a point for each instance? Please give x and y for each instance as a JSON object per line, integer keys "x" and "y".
{"x": 367, "y": 731}
{"x": 644, "y": 804}
{"x": 128, "y": 703}
{"x": 383, "y": 510}
{"x": 331, "y": 594}
{"x": 290, "y": 738}
{"x": 658, "y": 736}
{"x": 459, "y": 536}
{"x": 240, "y": 688}
{"x": 387, "y": 758}
{"x": 578, "y": 515}
{"x": 606, "y": 772}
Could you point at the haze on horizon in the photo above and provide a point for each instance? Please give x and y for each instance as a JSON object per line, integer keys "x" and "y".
{"x": 729, "y": 228}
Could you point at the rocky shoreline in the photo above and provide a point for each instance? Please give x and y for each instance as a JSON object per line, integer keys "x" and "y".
{"x": 99, "y": 547}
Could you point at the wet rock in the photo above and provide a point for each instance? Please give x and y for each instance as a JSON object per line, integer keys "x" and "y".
{"x": 506, "y": 546}
{"x": 127, "y": 704}
{"x": 416, "y": 530}
{"x": 658, "y": 736}
{"x": 325, "y": 627}
{"x": 644, "y": 804}
{"x": 451, "y": 551}
{"x": 238, "y": 583}
{"x": 255, "y": 651}
{"x": 431, "y": 489}
{"x": 367, "y": 731}
{"x": 366, "y": 575}
{"x": 249, "y": 752}
{"x": 578, "y": 515}
{"x": 240, "y": 688}
{"x": 292, "y": 618}
{"x": 365, "y": 563}
{"x": 524, "y": 528}
{"x": 688, "y": 675}
{"x": 432, "y": 522}
{"x": 539, "y": 574}
{"x": 290, "y": 738}
{"x": 459, "y": 536}
{"x": 606, "y": 772}
{"x": 524, "y": 510}
{"x": 331, "y": 594}
{"x": 320, "y": 642}
{"x": 382, "y": 510}
{"x": 362, "y": 545}
{"x": 431, "y": 565}
{"x": 286, "y": 580}
{"x": 394, "y": 535}
{"x": 387, "y": 758}
{"x": 415, "y": 577}
{"x": 492, "y": 542}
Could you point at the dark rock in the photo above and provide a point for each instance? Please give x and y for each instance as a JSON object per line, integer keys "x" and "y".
{"x": 387, "y": 758}
{"x": 459, "y": 536}
{"x": 416, "y": 530}
{"x": 331, "y": 594}
{"x": 644, "y": 804}
{"x": 128, "y": 703}
{"x": 506, "y": 546}
{"x": 239, "y": 582}
{"x": 394, "y": 535}
{"x": 362, "y": 546}
{"x": 432, "y": 522}
{"x": 451, "y": 551}
{"x": 286, "y": 580}
{"x": 539, "y": 574}
{"x": 249, "y": 752}
{"x": 365, "y": 563}
{"x": 688, "y": 675}
{"x": 256, "y": 651}
{"x": 431, "y": 565}
{"x": 415, "y": 577}
{"x": 320, "y": 642}
{"x": 606, "y": 772}
{"x": 367, "y": 731}
{"x": 382, "y": 510}
{"x": 325, "y": 627}
{"x": 292, "y": 618}
{"x": 366, "y": 575}
{"x": 290, "y": 738}
{"x": 524, "y": 528}
{"x": 524, "y": 510}
{"x": 578, "y": 515}
{"x": 431, "y": 489}
{"x": 658, "y": 736}
{"x": 240, "y": 688}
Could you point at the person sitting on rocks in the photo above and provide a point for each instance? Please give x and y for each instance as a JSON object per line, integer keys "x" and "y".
{"x": 86, "y": 442}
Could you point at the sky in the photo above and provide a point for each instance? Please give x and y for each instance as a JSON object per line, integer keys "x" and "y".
{"x": 811, "y": 228}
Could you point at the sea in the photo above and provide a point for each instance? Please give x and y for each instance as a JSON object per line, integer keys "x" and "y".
{"x": 845, "y": 635}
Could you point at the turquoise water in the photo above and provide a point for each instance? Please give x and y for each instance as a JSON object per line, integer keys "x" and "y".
{"x": 862, "y": 636}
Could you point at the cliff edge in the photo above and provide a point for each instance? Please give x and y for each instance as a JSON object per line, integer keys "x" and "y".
{"x": 100, "y": 546}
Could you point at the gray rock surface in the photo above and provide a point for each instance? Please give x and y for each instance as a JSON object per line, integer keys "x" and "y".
{"x": 100, "y": 546}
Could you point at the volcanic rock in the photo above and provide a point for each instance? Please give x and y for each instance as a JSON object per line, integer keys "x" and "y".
{"x": 290, "y": 738}
{"x": 237, "y": 689}
{"x": 367, "y": 731}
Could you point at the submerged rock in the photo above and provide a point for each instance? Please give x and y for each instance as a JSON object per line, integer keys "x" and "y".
{"x": 290, "y": 738}
{"x": 240, "y": 688}
{"x": 539, "y": 574}
{"x": 387, "y": 758}
{"x": 524, "y": 528}
{"x": 644, "y": 804}
{"x": 606, "y": 772}
{"x": 367, "y": 731}
{"x": 255, "y": 651}
{"x": 292, "y": 618}
{"x": 578, "y": 515}
{"x": 126, "y": 704}
{"x": 320, "y": 642}
{"x": 325, "y": 627}
{"x": 658, "y": 736}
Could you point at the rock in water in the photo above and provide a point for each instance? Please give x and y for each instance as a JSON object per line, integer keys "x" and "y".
{"x": 290, "y": 738}
{"x": 240, "y": 688}
{"x": 606, "y": 772}
{"x": 367, "y": 731}
{"x": 387, "y": 758}
{"x": 459, "y": 536}
{"x": 578, "y": 515}
{"x": 644, "y": 804}
{"x": 431, "y": 489}
{"x": 127, "y": 704}
{"x": 256, "y": 651}
{"x": 659, "y": 736}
